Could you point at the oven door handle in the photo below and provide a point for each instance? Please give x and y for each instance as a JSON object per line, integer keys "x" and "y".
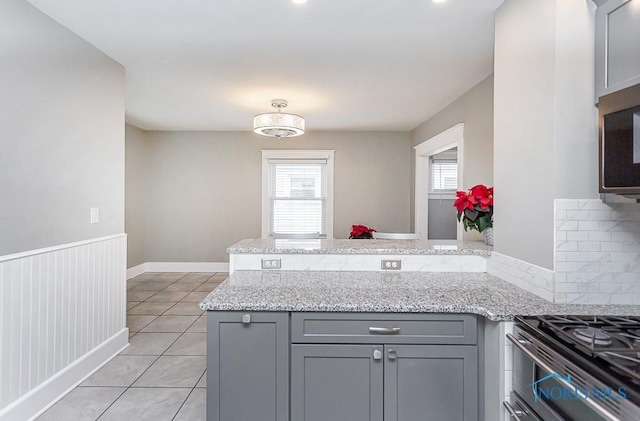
{"x": 522, "y": 346}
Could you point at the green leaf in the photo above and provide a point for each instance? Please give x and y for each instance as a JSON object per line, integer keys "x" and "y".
{"x": 472, "y": 215}
{"x": 484, "y": 223}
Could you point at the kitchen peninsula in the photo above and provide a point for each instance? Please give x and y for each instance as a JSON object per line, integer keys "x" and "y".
{"x": 356, "y": 341}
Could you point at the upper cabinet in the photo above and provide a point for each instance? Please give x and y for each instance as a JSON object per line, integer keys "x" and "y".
{"x": 617, "y": 46}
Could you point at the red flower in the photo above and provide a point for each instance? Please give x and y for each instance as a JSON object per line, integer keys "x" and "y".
{"x": 464, "y": 201}
{"x": 483, "y": 195}
{"x": 359, "y": 230}
{"x": 475, "y": 207}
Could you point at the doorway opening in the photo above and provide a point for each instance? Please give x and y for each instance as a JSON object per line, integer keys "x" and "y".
{"x": 439, "y": 173}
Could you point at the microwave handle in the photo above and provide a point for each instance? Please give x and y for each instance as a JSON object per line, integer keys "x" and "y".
{"x": 522, "y": 346}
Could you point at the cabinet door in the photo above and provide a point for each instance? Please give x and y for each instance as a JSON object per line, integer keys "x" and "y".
{"x": 430, "y": 383}
{"x": 336, "y": 382}
{"x": 247, "y": 366}
{"x": 617, "y": 40}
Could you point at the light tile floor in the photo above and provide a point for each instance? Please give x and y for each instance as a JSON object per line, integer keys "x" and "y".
{"x": 161, "y": 374}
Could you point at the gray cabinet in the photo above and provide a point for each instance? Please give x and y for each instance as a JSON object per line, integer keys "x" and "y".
{"x": 336, "y": 382}
{"x": 431, "y": 382}
{"x": 247, "y": 366}
{"x": 391, "y": 367}
{"x": 617, "y": 41}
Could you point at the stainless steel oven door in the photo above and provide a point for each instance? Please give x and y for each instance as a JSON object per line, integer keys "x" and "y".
{"x": 538, "y": 368}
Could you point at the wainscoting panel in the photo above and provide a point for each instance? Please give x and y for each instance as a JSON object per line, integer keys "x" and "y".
{"x": 56, "y": 306}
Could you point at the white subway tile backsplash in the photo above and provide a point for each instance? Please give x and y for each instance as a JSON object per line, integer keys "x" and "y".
{"x": 576, "y": 215}
{"x": 589, "y": 204}
{"x": 587, "y": 287}
{"x": 577, "y": 235}
{"x": 596, "y": 256}
{"x": 577, "y": 298}
{"x": 589, "y": 246}
{"x": 610, "y": 288}
{"x": 629, "y": 257}
{"x": 567, "y": 246}
{"x": 600, "y": 277}
{"x": 561, "y": 215}
{"x": 598, "y": 236}
{"x": 606, "y": 264}
{"x": 567, "y": 226}
{"x": 590, "y": 225}
{"x": 628, "y": 278}
{"x": 599, "y": 215}
{"x": 625, "y": 236}
{"x": 599, "y": 299}
{"x": 621, "y": 299}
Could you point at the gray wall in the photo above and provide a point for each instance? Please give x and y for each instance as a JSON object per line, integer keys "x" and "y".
{"x": 204, "y": 188}
{"x": 475, "y": 110}
{"x": 61, "y": 131}
{"x": 545, "y": 136}
{"x": 136, "y": 170}
{"x": 442, "y": 220}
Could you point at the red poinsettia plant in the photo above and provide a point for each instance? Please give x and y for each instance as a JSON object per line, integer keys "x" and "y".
{"x": 475, "y": 207}
{"x": 361, "y": 231}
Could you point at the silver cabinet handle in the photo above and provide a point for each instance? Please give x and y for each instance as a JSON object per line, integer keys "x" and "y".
{"x": 377, "y": 354}
{"x": 392, "y": 354}
{"x": 515, "y": 413}
{"x": 384, "y": 330}
{"x": 246, "y": 319}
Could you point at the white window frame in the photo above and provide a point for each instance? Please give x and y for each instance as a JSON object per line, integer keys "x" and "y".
{"x": 296, "y": 155}
{"x": 441, "y": 193}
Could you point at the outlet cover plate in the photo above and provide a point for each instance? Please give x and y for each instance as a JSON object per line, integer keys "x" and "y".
{"x": 391, "y": 264}
{"x": 271, "y": 264}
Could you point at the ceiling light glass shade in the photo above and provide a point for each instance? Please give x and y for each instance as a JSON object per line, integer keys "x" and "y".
{"x": 278, "y": 124}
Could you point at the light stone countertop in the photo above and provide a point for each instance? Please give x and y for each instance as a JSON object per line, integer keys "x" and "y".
{"x": 384, "y": 292}
{"x": 363, "y": 246}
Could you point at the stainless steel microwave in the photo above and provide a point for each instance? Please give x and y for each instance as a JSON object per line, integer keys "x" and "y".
{"x": 619, "y": 155}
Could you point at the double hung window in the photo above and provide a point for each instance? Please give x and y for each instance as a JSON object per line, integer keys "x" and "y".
{"x": 297, "y": 192}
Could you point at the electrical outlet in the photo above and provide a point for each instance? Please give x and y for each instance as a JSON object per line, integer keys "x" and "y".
{"x": 95, "y": 215}
{"x": 391, "y": 264}
{"x": 271, "y": 264}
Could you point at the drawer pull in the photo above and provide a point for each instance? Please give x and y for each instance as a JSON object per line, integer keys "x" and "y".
{"x": 377, "y": 354}
{"x": 392, "y": 355}
{"x": 384, "y": 330}
{"x": 514, "y": 413}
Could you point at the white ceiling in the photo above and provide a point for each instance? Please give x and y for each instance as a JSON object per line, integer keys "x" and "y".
{"x": 342, "y": 64}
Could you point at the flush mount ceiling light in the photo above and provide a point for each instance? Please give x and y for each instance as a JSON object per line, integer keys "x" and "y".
{"x": 278, "y": 124}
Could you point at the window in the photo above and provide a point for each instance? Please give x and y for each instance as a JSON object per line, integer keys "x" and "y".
{"x": 297, "y": 192}
{"x": 444, "y": 174}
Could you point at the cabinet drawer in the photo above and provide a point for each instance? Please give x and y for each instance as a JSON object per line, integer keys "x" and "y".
{"x": 377, "y": 328}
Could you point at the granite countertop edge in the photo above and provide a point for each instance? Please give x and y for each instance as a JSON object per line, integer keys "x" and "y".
{"x": 344, "y": 246}
{"x": 379, "y": 292}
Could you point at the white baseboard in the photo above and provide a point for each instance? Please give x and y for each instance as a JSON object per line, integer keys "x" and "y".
{"x": 38, "y": 400}
{"x": 177, "y": 267}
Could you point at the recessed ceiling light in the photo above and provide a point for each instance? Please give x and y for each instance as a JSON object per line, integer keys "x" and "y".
{"x": 299, "y": 1}
{"x": 438, "y": 1}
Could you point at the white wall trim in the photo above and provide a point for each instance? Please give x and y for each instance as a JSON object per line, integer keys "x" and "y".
{"x": 177, "y": 267}
{"x": 28, "y": 253}
{"x": 448, "y": 139}
{"x": 49, "y": 392}
{"x": 132, "y": 272}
